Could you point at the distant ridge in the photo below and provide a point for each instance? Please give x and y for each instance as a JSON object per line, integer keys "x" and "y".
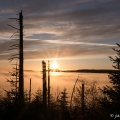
{"x": 92, "y": 71}
{"x": 85, "y": 70}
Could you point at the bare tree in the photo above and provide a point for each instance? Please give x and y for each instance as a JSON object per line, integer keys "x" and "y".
{"x": 19, "y": 56}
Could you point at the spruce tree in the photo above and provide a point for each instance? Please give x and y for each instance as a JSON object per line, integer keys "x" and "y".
{"x": 111, "y": 99}
{"x": 63, "y": 105}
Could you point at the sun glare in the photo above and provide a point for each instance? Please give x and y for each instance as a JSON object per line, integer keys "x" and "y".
{"x": 54, "y": 65}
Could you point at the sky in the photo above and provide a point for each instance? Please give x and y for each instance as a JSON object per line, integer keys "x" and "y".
{"x": 77, "y": 34}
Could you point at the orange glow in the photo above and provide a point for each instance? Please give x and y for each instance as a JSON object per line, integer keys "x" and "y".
{"x": 54, "y": 65}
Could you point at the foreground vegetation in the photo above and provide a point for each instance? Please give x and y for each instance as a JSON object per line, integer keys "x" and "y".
{"x": 99, "y": 103}
{"x": 60, "y": 108}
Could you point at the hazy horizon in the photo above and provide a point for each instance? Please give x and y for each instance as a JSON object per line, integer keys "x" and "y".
{"x": 74, "y": 34}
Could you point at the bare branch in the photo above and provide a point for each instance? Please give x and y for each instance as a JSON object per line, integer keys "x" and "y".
{"x": 15, "y": 39}
{"x": 14, "y": 34}
{"x": 118, "y": 44}
{"x": 13, "y": 56}
{"x": 16, "y": 65}
{"x": 13, "y": 27}
{"x": 15, "y": 68}
{"x": 111, "y": 58}
{"x": 15, "y": 45}
{"x": 12, "y": 48}
{"x": 9, "y": 79}
{"x": 12, "y": 59}
{"x": 14, "y": 18}
{"x": 115, "y": 50}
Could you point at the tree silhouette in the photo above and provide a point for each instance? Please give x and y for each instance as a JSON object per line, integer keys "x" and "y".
{"x": 63, "y": 106}
{"x": 91, "y": 105}
{"x": 111, "y": 99}
{"x": 12, "y": 104}
{"x": 19, "y": 56}
{"x": 13, "y": 93}
{"x": 38, "y": 96}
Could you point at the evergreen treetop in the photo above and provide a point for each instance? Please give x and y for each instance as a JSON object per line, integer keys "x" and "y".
{"x": 111, "y": 99}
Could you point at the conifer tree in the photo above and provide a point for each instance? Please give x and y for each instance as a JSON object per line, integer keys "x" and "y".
{"x": 63, "y": 105}
{"x": 111, "y": 99}
{"x": 38, "y": 96}
{"x": 90, "y": 103}
{"x": 63, "y": 100}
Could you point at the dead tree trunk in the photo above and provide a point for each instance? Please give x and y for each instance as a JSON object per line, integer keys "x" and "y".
{"x": 44, "y": 83}
{"x": 21, "y": 76}
{"x": 19, "y": 47}
{"x": 48, "y": 85}
{"x": 82, "y": 103}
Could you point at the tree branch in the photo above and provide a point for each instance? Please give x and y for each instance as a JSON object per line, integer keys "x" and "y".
{"x": 13, "y": 27}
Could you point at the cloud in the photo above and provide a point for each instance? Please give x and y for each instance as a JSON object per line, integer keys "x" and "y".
{"x": 57, "y": 49}
{"x": 80, "y": 18}
{"x": 5, "y": 46}
{"x": 70, "y": 51}
{"x": 95, "y": 32}
{"x": 4, "y": 74}
{"x": 78, "y": 25}
{"x": 31, "y": 71}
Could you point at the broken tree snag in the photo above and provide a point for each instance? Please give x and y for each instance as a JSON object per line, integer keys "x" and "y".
{"x": 21, "y": 76}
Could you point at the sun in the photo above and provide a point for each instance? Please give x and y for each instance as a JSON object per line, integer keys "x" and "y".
{"x": 54, "y": 65}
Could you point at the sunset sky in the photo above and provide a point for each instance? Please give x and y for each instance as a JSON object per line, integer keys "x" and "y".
{"x": 77, "y": 34}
